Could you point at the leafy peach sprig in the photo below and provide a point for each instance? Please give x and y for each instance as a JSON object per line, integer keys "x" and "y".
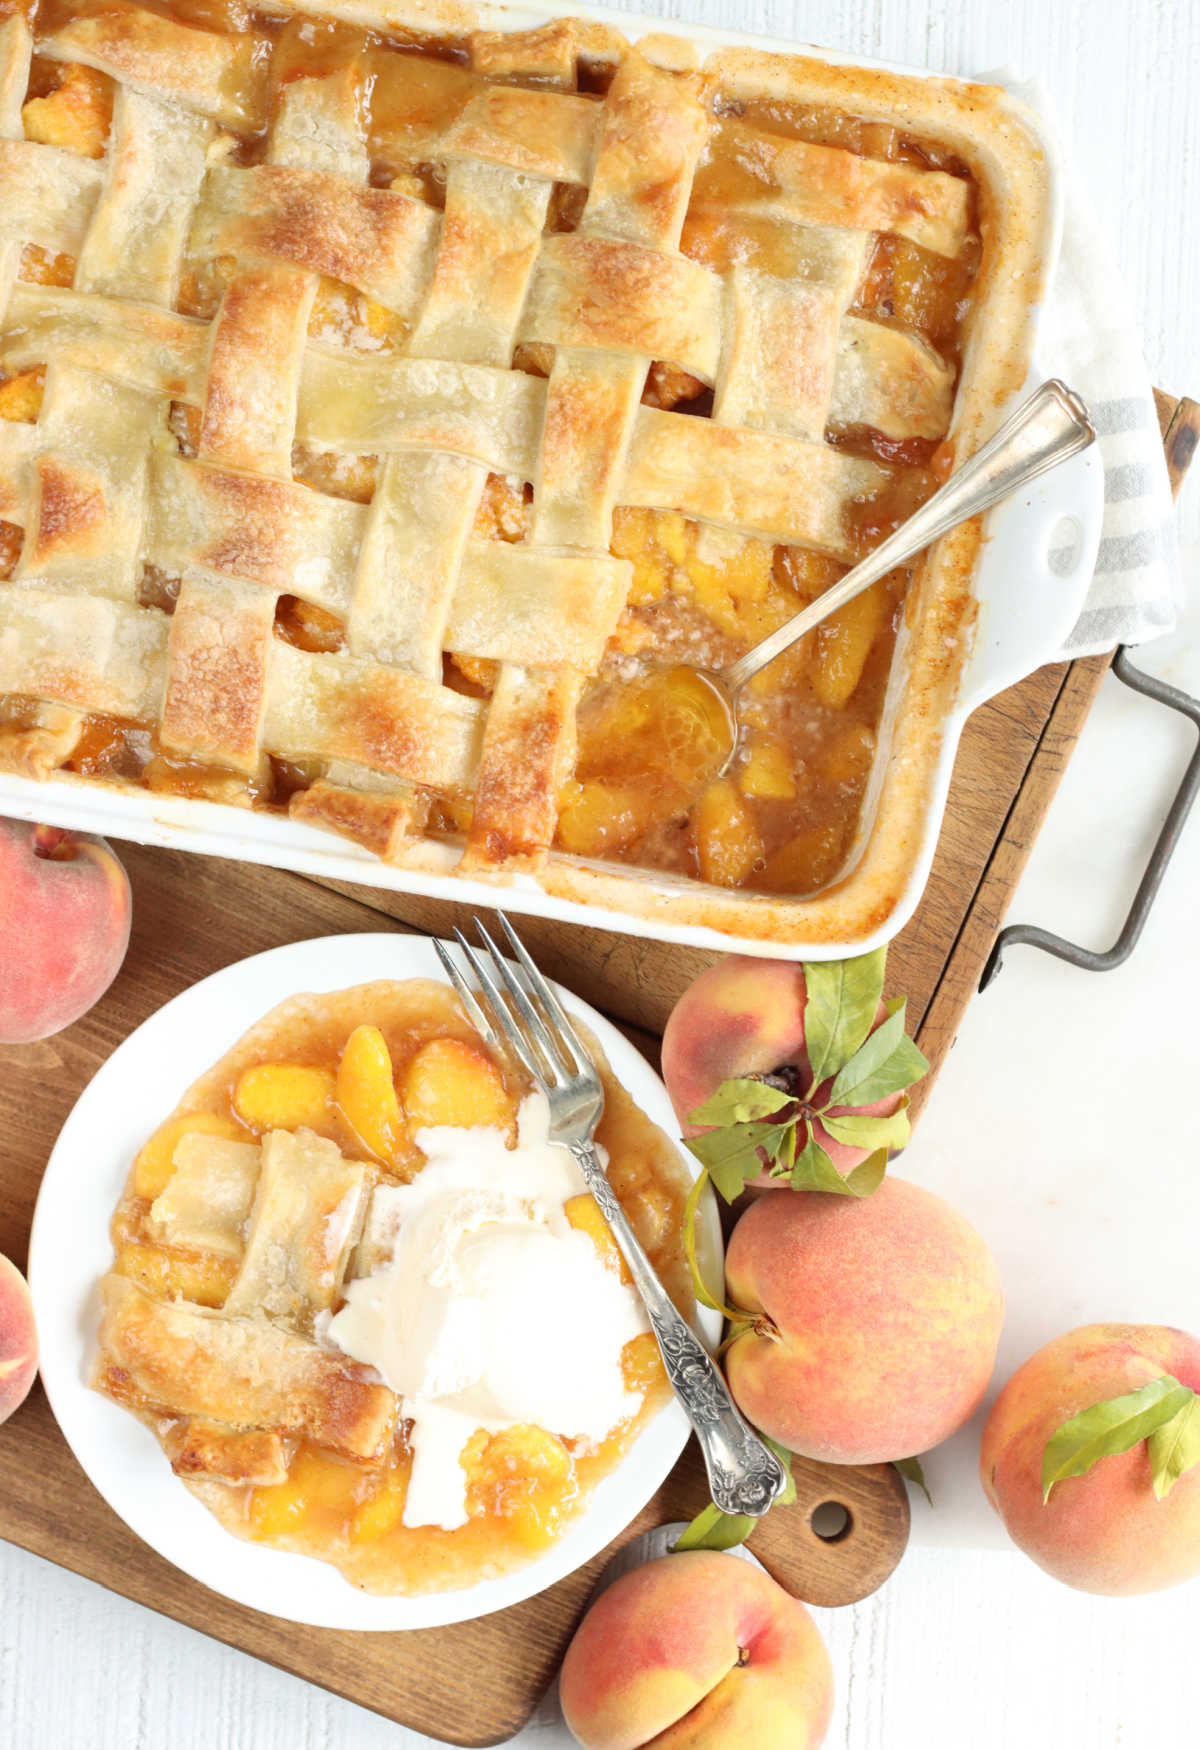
{"x": 766, "y": 1123}
{"x": 1163, "y": 1413}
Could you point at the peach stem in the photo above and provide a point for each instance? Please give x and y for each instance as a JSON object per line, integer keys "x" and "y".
{"x": 54, "y": 842}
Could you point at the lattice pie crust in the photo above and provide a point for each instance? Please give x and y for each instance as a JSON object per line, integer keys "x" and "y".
{"x": 103, "y": 487}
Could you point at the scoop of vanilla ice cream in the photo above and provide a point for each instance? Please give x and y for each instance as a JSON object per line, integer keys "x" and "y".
{"x": 489, "y": 1309}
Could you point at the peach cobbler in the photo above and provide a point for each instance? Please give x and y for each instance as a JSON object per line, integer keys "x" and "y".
{"x": 379, "y": 408}
{"x": 369, "y": 1312}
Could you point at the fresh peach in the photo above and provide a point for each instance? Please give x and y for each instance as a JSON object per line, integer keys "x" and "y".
{"x": 698, "y": 1651}
{"x": 741, "y": 1017}
{"x": 746, "y": 1017}
{"x": 882, "y": 1316}
{"x": 64, "y": 927}
{"x": 18, "y": 1339}
{"x": 1105, "y": 1531}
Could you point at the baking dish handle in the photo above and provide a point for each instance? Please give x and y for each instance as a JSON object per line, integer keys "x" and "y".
{"x": 1034, "y": 573}
{"x": 1086, "y": 958}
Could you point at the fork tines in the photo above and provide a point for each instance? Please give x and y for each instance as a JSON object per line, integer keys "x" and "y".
{"x": 545, "y": 1042}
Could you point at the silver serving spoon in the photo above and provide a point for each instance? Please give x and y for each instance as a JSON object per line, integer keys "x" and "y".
{"x": 1052, "y": 425}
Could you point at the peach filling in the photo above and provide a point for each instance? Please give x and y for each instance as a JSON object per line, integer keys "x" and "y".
{"x": 648, "y": 785}
{"x": 524, "y": 1480}
{"x": 75, "y": 115}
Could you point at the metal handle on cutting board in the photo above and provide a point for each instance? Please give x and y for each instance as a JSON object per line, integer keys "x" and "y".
{"x": 1181, "y": 439}
{"x": 1089, "y": 959}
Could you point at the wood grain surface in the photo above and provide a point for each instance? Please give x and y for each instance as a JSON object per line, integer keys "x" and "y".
{"x": 476, "y": 1683}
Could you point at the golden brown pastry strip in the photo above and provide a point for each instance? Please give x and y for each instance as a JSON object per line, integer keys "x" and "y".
{"x": 244, "y": 1373}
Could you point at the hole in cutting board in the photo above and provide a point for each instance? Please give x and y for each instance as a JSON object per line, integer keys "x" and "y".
{"x": 831, "y": 1521}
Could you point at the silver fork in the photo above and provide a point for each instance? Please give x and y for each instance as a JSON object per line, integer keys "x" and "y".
{"x": 744, "y": 1476}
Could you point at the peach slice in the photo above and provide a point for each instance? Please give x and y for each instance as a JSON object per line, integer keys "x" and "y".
{"x": 451, "y": 1081}
{"x": 769, "y": 771}
{"x": 367, "y": 1095}
{"x": 598, "y": 819}
{"x": 641, "y": 1363}
{"x": 523, "y": 1474}
{"x": 382, "y": 1513}
{"x": 728, "y": 843}
{"x": 21, "y": 396}
{"x": 584, "y": 1213}
{"x": 316, "y": 1486}
{"x": 155, "y": 1164}
{"x": 285, "y": 1096}
{"x": 844, "y": 642}
{"x": 77, "y": 115}
{"x": 205, "y": 1281}
{"x": 652, "y": 1213}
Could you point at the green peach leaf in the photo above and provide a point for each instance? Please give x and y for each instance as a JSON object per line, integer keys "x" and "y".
{"x": 1175, "y": 1447}
{"x": 866, "y": 1178}
{"x": 910, "y": 1470}
{"x": 861, "y": 1130}
{"x": 814, "y": 1171}
{"x": 713, "y": 1529}
{"x": 740, "y": 1100}
{"x": 1109, "y": 1427}
{"x": 730, "y": 1155}
{"x": 700, "y": 1288}
{"x": 775, "y": 1148}
{"x": 841, "y": 998}
{"x": 787, "y": 1494}
{"x": 886, "y": 1063}
{"x": 778, "y": 1144}
{"x": 740, "y": 1152}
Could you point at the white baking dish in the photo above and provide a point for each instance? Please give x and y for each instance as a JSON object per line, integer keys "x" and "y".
{"x": 1028, "y": 583}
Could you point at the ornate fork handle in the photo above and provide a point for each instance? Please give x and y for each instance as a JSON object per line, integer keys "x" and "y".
{"x": 744, "y": 1476}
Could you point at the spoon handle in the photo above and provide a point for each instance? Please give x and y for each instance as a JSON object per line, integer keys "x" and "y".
{"x": 1045, "y": 430}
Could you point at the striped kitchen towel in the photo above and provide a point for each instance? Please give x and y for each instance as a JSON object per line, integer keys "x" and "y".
{"x": 1089, "y": 337}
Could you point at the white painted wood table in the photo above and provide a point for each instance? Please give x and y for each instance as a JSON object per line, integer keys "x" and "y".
{"x": 963, "y": 1647}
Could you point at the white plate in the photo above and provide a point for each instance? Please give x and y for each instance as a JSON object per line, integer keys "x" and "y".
{"x": 70, "y": 1250}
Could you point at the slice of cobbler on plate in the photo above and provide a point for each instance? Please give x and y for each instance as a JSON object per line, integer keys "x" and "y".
{"x": 370, "y": 1313}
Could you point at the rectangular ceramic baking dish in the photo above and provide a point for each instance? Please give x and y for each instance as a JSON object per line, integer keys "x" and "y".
{"x": 985, "y": 608}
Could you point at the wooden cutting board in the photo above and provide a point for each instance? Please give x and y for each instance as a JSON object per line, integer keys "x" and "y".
{"x": 477, "y": 1683}
{"x": 474, "y": 1683}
